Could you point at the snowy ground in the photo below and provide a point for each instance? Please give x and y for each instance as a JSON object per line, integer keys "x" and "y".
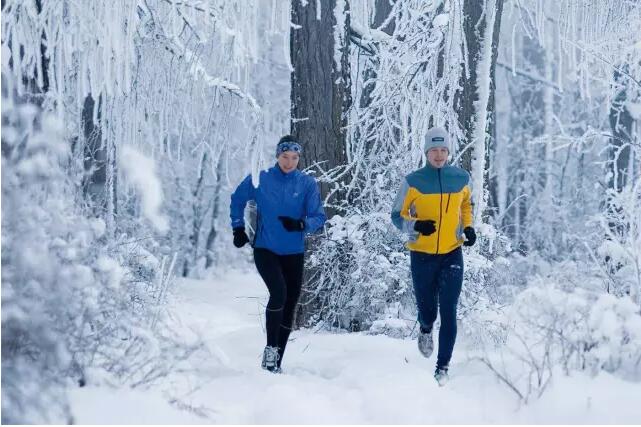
{"x": 332, "y": 378}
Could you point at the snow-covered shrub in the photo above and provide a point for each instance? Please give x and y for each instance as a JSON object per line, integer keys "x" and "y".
{"x": 359, "y": 269}
{"x": 362, "y": 280}
{"x": 71, "y": 307}
{"x": 40, "y": 258}
{"x": 548, "y": 326}
{"x": 614, "y": 329}
{"x": 620, "y": 250}
{"x": 488, "y": 278}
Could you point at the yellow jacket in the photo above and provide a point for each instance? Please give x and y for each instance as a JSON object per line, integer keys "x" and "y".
{"x": 440, "y": 194}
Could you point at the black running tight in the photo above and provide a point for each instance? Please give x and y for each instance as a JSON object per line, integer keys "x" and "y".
{"x": 283, "y": 275}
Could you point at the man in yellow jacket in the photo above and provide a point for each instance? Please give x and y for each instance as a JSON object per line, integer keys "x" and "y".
{"x": 434, "y": 207}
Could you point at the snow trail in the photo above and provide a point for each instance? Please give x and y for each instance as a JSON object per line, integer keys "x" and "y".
{"x": 333, "y": 378}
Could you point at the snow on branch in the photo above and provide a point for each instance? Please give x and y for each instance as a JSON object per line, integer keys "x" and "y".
{"x": 197, "y": 69}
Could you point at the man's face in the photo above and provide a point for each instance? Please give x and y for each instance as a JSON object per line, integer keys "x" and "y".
{"x": 437, "y": 156}
{"x": 288, "y": 161}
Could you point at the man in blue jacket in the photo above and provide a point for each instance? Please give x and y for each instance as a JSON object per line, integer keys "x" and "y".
{"x": 288, "y": 206}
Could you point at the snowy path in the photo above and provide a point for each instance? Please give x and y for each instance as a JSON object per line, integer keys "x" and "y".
{"x": 333, "y": 378}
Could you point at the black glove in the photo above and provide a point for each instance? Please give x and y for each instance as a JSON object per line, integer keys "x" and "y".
{"x": 425, "y": 227}
{"x": 292, "y": 224}
{"x": 240, "y": 237}
{"x": 470, "y": 235}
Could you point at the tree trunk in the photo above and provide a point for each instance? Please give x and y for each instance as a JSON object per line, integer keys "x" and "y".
{"x": 491, "y": 115}
{"x": 43, "y": 74}
{"x": 95, "y": 157}
{"x": 197, "y": 218}
{"x": 320, "y": 97}
{"x": 620, "y": 150}
{"x": 473, "y": 11}
{"x": 320, "y": 93}
{"x": 213, "y": 231}
{"x": 471, "y": 115}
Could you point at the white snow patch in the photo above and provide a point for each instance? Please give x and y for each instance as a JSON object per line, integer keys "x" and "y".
{"x": 441, "y": 20}
{"x": 635, "y": 109}
{"x": 101, "y": 405}
{"x": 141, "y": 173}
{"x": 369, "y": 33}
{"x": 339, "y": 33}
{"x": 112, "y": 269}
{"x": 98, "y": 227}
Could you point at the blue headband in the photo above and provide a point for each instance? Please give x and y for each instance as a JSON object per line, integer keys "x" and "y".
{"x": 288, "y": 146}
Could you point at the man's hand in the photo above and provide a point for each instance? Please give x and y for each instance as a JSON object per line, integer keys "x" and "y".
{"x": 425, "y": 227}
{"x": 470, "y": 235}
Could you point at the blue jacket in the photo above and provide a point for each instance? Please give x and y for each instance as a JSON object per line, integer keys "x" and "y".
{"x": 292, "y": 194}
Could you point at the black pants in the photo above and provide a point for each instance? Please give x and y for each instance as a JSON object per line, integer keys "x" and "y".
{"x": 283, "y": 275}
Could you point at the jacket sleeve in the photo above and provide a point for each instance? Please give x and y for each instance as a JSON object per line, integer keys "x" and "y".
{"x": 401, "y": 204}
{"x": 467, "y": 207}
{"x": 239, "y": 198}
{"x": 314, "y": 212}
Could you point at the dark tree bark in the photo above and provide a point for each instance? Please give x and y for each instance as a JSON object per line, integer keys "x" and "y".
{"x": 99, "y": 183}
{"x": 197, "y": 218}
{"x": 621, "y": 124}
{"x": 619, "y": 151}
{"x": 44, "y": 56}
{"x": 473, "y": 11}
{"x": 320, "y": 93}
{"x": 320, "y": 97}
{"x": 382, "y": 10}
{"x": 95, "y": 157}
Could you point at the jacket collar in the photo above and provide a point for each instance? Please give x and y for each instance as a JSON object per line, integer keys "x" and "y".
{"x": 428, "y": 167}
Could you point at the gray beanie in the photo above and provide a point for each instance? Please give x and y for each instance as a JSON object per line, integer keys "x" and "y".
{"x": 436, "y": 137}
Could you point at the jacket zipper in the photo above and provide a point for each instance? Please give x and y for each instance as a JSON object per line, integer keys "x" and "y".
{"x": 440, "y": 212}
{"x": 449, "y": 195}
